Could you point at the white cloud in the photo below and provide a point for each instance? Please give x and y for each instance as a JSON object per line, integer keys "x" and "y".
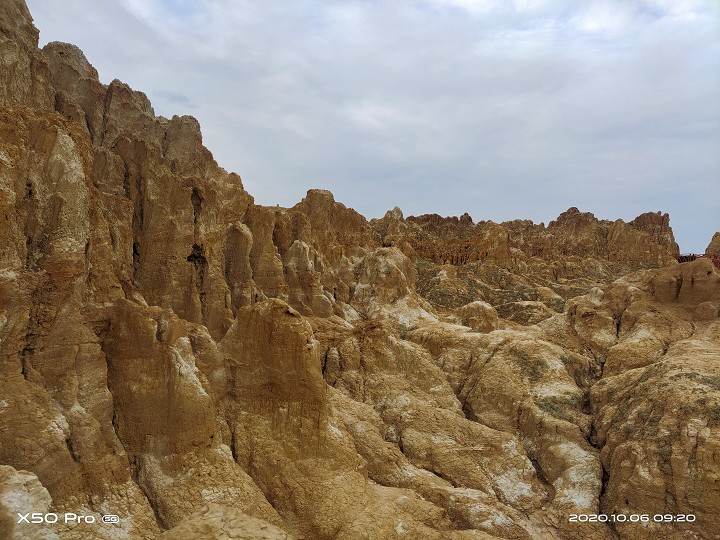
{"x": 610, "y": 20}
{"x": 376, "y": 116}
{"x": 476, "y": 7}
{"x": 688, "y": 10}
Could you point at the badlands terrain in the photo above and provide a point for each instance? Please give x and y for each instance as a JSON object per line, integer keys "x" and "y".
{"x": 205, "y": 367}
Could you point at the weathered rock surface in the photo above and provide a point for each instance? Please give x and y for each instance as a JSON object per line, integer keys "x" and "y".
{"x": 21, "y": 491}
{"x": 458, "y": 262}
{"x": 216, "y": 522}
{"x": 714, "y": 245}
{"x": 205, "y": 367}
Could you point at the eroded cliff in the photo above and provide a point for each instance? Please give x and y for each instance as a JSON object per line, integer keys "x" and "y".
{"x": 205, "y": 367}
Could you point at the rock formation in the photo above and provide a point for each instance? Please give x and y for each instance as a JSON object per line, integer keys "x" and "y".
{"x": 714, "y": 245}
{"x": 205, "y": 367}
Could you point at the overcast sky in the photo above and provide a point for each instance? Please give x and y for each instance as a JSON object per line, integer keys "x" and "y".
{"x": 502, "y": 109}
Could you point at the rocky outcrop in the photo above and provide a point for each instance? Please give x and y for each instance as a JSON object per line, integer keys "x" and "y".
{"x": 217, "y": 522}
{"x": 647, "y": 240}
{"x": 656, "y": 405}
{"x": 714, "y": 245}
{"x": 657, "y": 225}
{"x": 20, "y": 491}
{"x": 202, "y": 366}
{"x": 26, "y": 76}
{"x": 519, "y": 261}
{"x": 478, "y": 315}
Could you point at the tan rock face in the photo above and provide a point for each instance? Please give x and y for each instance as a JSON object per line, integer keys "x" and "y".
{"x": 478, "y": 315}
{"x": 714, "y": 245}
{"x": 656, "y": 420}
{"x": 204, "y": 367}
{"x": 26, "y": 77}
{"x": 217, "y": 522}
{"x": 20, "y": 491}
{"x": 519, "y": 261}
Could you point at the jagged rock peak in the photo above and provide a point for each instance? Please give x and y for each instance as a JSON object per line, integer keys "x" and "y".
{"x": 396, "y": 214}
{"x": 714, "y": 245}
{"x": 436, "y": 219}
{"x": 657, "y": 225}
{"x": 16, "y": 23}
{"x": 313, "y": 195}
{"x": 63, "y": 55}
{"x": 320, "y": 205}
{"x": 25, "y": 76}
{"x": 573, "y": 215}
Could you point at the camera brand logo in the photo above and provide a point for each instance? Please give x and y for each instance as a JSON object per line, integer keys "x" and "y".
{"x": 68, "y": 518}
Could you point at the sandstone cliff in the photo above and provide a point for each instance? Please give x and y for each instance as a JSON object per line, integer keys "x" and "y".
{"x": 205, "y": 367}
{"x": 714, "y": 245}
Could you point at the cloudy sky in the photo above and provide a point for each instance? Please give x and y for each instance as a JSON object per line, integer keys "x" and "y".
{"x": 500, "y": 108}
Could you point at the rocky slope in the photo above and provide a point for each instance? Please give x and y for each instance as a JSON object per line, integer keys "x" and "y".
{"x": 714, "y": 245}
{"x": 204, "y": 367}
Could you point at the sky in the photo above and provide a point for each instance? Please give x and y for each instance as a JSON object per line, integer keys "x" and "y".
{"x": 505, "y": 109}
